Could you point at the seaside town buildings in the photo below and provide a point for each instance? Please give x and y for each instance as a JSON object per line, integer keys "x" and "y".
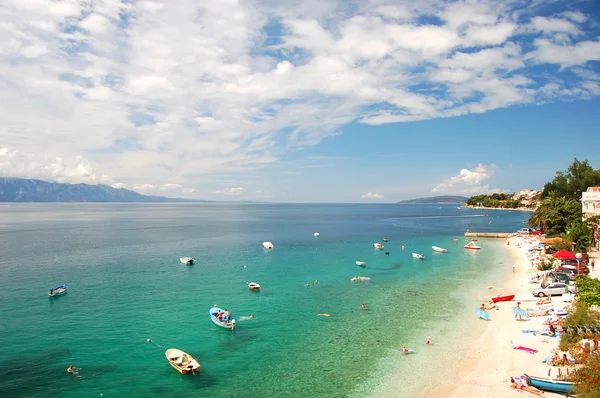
{"x": 528, "y": 197}
{"x": 590, "y": 207}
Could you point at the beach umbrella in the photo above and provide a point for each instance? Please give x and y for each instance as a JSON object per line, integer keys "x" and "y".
{"x": 564, "y": 255}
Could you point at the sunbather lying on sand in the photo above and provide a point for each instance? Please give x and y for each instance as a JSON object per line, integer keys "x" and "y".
{"x": 544, "y": 300}
{"x": 542, "y": 312}
{"x": 523, "y": 387}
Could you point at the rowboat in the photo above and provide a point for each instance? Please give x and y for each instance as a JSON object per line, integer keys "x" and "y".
{"x": 227, "y": 324}
{"x": 361, "y": 263}
{"x": 378, "y": 246}
{"x": 418, "y": 256}
{"x": 187, "y": 260}
{"x": 57, "y": 291}
{"x": 253, "y": 286}
{"x": 506, "y": 297}
{"x": 472, "y": 246}
{"x": 181, "y": 361}
{"x": 438, "y": 249}
{"x": 549, "y": 384}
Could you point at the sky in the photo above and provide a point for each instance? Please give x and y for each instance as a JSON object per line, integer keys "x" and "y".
{"x": 299, "y": 101}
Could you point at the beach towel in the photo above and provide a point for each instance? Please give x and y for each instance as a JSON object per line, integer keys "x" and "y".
{"x": 483, "y": 315}
{"x": 520, "y": 311}
{"x": 526, "y": 349}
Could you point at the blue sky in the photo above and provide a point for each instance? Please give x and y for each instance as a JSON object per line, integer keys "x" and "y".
{"x": 315, "y": 101}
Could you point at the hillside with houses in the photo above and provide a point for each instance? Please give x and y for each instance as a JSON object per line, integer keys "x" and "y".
{"x": 525, "y": 199}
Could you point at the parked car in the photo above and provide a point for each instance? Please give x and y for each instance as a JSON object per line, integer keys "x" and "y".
{"x": 573, "y": 262}
{"x": 553, "y": 289}
{"x": 562, "y": 276}
{"x": 525, "y": 231}
{"x": 530, "y": 231}
{"x": 581, "y": 269}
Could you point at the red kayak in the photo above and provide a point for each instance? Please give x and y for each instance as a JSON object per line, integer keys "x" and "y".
{"x": 507, "y": 297}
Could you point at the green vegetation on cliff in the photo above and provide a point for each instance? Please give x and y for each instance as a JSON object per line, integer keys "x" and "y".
{"x": 498, "y": 200}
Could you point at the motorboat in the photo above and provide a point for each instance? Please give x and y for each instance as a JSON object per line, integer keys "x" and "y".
{"x": 267, "y": 245}
{"x": 550, "y": 385}
{"x": 360, "y": 263}
{"x": 472, "y": 246}
{"x": 183, "y": 362}
{"x": 385, "y": 239}
{"x": 360, "y": 279}
{"x": 378, "y": 246}
{"x": 439, "y": 249}
{"x": 418, "y": 256}
{"x": 57, "y": 291}
{"x": 227, "y": 323}
{"x": 316, "y": 234}
{"x": 253, "y": 286}
{"x": 187, "y": 260}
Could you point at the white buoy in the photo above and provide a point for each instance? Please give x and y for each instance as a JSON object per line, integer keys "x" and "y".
{"x": 267, "y": 245}
{"x": 316, "y": 234}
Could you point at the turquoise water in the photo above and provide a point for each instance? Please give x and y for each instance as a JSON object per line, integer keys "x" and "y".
{"x": 126, "y": 285}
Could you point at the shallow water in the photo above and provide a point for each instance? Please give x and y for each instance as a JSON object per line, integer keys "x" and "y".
{"x": 126, "y": 285}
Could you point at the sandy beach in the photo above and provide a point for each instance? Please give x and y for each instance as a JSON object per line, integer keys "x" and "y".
{"x": 485, "y": 368}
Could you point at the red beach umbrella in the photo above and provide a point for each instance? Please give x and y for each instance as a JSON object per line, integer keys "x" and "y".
{"x": 564, "y": 255}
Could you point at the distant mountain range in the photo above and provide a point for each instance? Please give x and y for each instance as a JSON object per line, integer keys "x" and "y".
{"x": 438, "y": 200}
{"x": 27, "y": 190}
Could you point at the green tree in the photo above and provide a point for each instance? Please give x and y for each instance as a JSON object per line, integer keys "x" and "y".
{"x": 572, "y": 182}
{"x": 588, "y": 290}
{"x": 555, "y": 213}
{"x": 580, "y": 233}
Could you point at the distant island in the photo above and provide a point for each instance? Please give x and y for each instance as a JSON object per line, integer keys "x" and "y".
{"x": 437, "y": 200}
{"x": 29, "y": 190}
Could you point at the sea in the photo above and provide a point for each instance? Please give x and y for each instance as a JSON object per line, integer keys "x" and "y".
{"x": 130, "y": 298}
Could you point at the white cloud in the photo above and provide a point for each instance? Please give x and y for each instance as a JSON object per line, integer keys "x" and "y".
{"x": 14, "y": 163}
{"x": 565, "y": 55}
{"x": 372, "y": 195}
{"x": 155, "y": 94}
{"x": 553, "y": 25}
{"x": 231, "y": 191}
{"x": 467, "y": 181}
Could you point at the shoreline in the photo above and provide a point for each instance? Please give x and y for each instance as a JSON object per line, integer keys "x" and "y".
{"x": 527, "y": 209}
{"x": 480, "y": 359}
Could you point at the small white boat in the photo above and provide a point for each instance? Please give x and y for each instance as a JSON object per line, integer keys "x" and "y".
{"x": 378, "y": 246}
{"x": 385, "y": 239}
{"x": 418, "y": 256}
{"x": 181, "y": 361}
{"x": 360, "y": 263}
{"x": 57, "y": 291}
{"x": 472, "y": 246}
{"x": 187, "y": 260}
{"x": 360, "y": 278}
{"x": 316, "y": 234}
{"x": 267, "y": 245}
{"x": 253, "y": 286}
{"x": 439, "y": 249}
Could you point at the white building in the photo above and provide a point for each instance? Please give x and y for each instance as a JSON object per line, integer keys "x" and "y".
{"x": 590, "y": 202}
{"x": 590, "y": 206}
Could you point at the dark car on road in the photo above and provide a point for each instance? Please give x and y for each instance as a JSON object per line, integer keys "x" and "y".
{"x": 574, "y": 268}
